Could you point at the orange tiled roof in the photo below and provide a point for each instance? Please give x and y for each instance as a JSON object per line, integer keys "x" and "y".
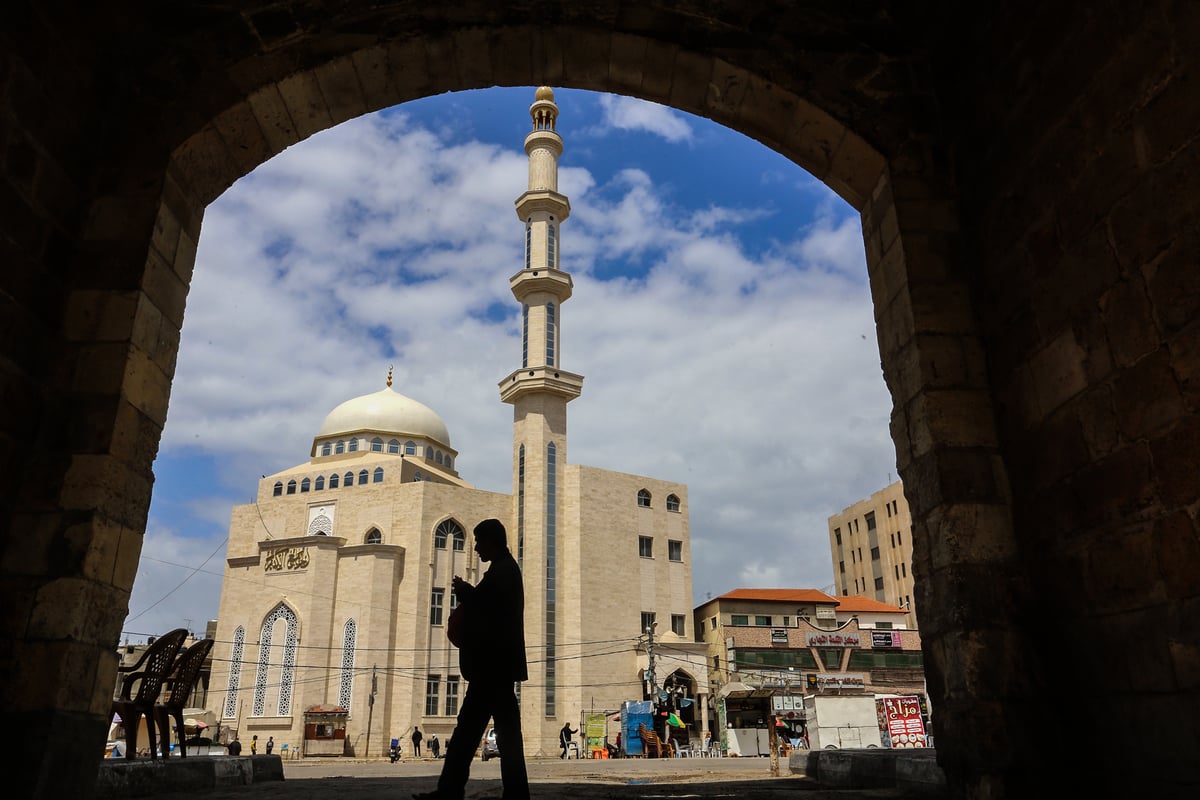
{"x": 780, "y": 595}
{"x": 860, "y": 603}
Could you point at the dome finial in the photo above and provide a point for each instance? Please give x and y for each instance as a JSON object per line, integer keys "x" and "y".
{"x": 389, "y": 381}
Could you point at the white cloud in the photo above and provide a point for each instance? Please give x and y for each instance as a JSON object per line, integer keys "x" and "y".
{"x": 631, "y": 114}
{"x": 753, "y": 379}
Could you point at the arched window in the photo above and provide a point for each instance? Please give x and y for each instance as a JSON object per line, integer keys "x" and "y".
{"x": 348, "y": 479}
{"x": 320, "y": 526}
{"x": 326, "y": 449}
{"x": 378, "y": 475}
{"x": 428, "y": 453}
{"x": 353, "y": 446}
{"x": 551, "y": 246}
{"x": 394, "y": 446}
{"x": 235, "y": 672}
{"x": 449, "y": 529}
{"x": 340, "y": 447}
{"x": 551, "y": 342}
{"x": 280, "y": 633}
{"x": 278, "y": 489}
{"x": 672, "y": 502}
{"x": 643, "y": 498}
{"x": 319, "y": 483}
{"x": 410, "y": 448}
{"x": 349, "y": 634}
{"x": 333, "y": 481}
{"x": 363, "y": 477}
{"x": 448, "y": 464}
{"x": 305, "y": 485}
{"x": 438, "y": 456}
{"x": 524, "y": 336}
{"x": 377, "y": 445}
{"x": 373, "y": 536}
{"x": 291, "y": 487}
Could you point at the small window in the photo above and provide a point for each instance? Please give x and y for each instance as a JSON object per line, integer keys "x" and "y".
{"x": 837, "y": 535}
{"x": 645, "y": 547}
{"x": 431, "y": 695}
{"x": 643, "y": 498}
{"x": 363, "y": 477}
{"x": 439, "y": 538}
{"x": 903, "y": 570}
{"x": 841, "y": 566}
{"x": 870, "y": 518}
{"x": 459, "y": 540}
{"x": 394, "y": 446}
{"x": 451, "y": 695}
{"x": 291, "y": 487}
{"x": 378, "y": 475}
{"x": 739, "y": 619}
{"x": 435, "y": 606}
{"x": 326, "y": 449}
{"x": 438, "y": 456}
{"x": 374, "y": 536}
{"x": 874, "y": 553}
{"x": 712, "y": 624}
{"x": 353, "y": 446}
{"x": 787, "y": 621}
{"x": 333, "y": 481}
{"x": 879, "y": 583}
{"x": 883, "y": 626}
{"x": 377, "y": 445}
{"x": 339, "y": 448}
{"x": 762, "y": 621}
{"x": 410, "y": 449}
{"x": 348, "y": 479}
{"x": 448, "y": 464}
{"x": 678, "y": 625}
{"x": 672, "y": 502}
{"x": 674, "y": 550}
{"x": 319, "y": 483}
{"x": 428, "y": 453}
{"x": 278, "y": 489}
{"x": 305, "y": 485}
{"x": 647, "y": 621}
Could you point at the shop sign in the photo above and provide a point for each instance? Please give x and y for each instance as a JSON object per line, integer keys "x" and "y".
{"x": 885, "y": 639}
{"x": 902, "y": 723}
{"x": 841, "y": 680}
{"x": 831, "y": 639}
{"x": 824, "y": 612}
{"x": 779, "y": 636}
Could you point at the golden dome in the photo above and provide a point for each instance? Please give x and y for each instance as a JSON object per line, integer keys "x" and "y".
{"x": 544, "y": 93}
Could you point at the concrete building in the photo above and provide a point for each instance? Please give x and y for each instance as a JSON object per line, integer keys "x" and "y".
{"x": 338, "y": 579}
{"x": 871, "y": 543}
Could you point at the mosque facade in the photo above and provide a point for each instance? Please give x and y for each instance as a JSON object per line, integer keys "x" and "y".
{"x": 331, "y": 634}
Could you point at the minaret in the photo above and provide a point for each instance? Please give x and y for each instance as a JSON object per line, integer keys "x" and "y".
{"x": 539, "y": 392}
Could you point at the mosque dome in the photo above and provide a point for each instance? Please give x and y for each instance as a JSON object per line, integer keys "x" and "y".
{"x": 385, "y": 411}
{"x": 544, "y": 93}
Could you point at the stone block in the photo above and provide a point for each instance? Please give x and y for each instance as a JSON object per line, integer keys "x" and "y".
{"x": 1176, "y": 454}
{"x": 340, "y": 89}
{"x": 274, "y": 119}
{"x": 627, "y": 55}
{"x": 244, "y": 138}
{"x": 306, "y": 107}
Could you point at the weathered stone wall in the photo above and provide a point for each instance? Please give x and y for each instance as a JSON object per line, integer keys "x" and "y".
{"x": 1028, "y": 182}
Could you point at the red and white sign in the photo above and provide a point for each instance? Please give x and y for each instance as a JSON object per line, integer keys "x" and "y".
{"x": 902, "y": 716}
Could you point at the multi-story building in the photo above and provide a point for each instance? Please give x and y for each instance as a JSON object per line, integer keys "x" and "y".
{"x": 338, "y": 576}
{"x": 871, "y": 547}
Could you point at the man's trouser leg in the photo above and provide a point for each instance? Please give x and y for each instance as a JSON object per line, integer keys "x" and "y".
{"x": 472, "y": 720}
{"x": 510, "y": 742}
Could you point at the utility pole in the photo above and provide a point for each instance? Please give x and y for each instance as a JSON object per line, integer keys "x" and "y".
{"x": 650, "y": 676}
{"x": 370, "y": 710}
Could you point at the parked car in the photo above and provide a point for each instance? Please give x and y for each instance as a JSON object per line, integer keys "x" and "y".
{"x": 490, "y": 750}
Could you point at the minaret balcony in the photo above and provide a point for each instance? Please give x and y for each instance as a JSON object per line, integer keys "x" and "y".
{"x": 542, "y": 380}
{"x": 530, "y": 281}
{"x": 543, "y": 200}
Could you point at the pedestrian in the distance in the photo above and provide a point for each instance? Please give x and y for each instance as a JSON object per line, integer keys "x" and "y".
{"x": 564, "y": 739}
{"x": 254, "y": 745}
{"x": 435, "y": 746}
{"x": 270, "y": 744}
{"x": 416, "y": 740}
{"x": 234, "y": 747}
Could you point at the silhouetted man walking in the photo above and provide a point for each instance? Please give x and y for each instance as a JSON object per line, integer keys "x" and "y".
{"x": 491, "y": 657}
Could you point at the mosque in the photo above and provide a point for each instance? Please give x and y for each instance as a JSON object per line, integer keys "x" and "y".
{"x": 331, "y": 634}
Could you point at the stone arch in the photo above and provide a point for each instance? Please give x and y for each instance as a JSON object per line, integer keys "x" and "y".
{"x": 1040, "y": 395}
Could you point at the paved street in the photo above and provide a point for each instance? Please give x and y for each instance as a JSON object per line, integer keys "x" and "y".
{"x": 551, "y": 779}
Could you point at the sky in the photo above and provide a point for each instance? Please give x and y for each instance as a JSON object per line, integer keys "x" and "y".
{"x": 721, "y": 318}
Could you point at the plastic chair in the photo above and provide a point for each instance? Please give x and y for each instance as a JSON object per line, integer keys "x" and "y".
{"x": 573, "y": 746}
{"x": 149, "y": 673}
{"x": 181, "y": 682}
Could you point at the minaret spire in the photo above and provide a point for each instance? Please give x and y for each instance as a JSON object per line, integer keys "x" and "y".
{"x": 539, "y": 392}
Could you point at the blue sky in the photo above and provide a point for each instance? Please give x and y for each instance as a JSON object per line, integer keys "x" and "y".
{"x": 721, "y": 318}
